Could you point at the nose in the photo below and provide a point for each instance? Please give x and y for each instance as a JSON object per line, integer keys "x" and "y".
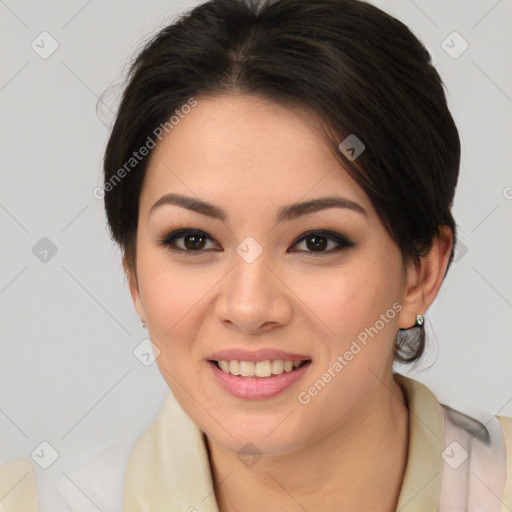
{"x": 254, "y": 299}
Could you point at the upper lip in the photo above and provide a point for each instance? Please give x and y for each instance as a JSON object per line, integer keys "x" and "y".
{"x": 264, "y": 354}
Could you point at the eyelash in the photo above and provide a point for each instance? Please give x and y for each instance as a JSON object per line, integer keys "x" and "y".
{"x": 344, "y": 243}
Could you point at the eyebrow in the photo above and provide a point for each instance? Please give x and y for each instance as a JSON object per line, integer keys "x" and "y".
{"x": 284, "y": 213}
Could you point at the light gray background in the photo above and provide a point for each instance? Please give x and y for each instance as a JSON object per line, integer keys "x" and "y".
{"x": 68, "y": 374}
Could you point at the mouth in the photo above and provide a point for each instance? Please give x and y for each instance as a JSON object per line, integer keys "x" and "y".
{"x": 258, "y": 380}
{"x": 259, "y": 369}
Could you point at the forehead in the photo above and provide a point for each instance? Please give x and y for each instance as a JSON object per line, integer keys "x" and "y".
{"x": 246, "y": 148}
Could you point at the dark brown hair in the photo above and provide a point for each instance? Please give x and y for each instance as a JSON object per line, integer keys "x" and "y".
{"x": 354, "y": 67}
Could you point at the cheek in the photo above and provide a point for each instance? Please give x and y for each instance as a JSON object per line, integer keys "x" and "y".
{"x": 358, "y": 304}
{"x": 350, "y": 299}
{"x": 174, "y": 298}
{"x": 176, "y": 301}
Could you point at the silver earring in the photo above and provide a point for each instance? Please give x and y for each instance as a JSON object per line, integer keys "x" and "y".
{"x": 419, "y": 321}
{"x": 143, "y": 324}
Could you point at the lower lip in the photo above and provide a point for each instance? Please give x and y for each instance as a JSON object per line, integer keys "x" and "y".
{"x": 257, "y": 388}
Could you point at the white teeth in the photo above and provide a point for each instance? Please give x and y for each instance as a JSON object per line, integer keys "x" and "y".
{"x": 263, "y": 369}
{"x": 258, "y": 369}
{"x": 247, "y": 368}
{"x": 277, "y": 367}
{"x": 233, "y": 368}
{"x": 224, "y": 366}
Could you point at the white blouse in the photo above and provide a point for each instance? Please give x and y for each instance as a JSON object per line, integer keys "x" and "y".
{"x": 455, "y": 463}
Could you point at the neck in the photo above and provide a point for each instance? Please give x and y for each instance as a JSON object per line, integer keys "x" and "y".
{"x": 360, "y": 466}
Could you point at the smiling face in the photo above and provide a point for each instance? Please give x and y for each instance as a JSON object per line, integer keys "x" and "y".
{"x": 255, "y": 275}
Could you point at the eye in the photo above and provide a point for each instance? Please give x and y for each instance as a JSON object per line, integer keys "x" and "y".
{"x": 318, "y": 241}
{"x": 190, "y": 241}
{"x": 186, "y": 241}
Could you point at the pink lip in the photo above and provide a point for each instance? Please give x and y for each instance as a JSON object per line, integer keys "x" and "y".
{"x": 256, "y": 355}
{"x": 257, "y": 388}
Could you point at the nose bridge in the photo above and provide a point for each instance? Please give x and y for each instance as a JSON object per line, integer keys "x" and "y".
{"x": 250, "y": 280}
{"x": 252, "y": 295}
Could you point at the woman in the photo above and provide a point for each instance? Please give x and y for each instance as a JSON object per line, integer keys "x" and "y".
{"x": 283, "y": 242}
{"x": 279, "y": 178}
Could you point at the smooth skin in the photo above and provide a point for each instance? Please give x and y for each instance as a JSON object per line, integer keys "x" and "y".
{"x": 347, "y": 448}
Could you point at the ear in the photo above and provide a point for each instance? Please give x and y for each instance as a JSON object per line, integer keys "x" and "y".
{"x": 424, "y": 281}
{"x": 134, "y": 289}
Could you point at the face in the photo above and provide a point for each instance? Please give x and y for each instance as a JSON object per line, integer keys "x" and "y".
{"x": 248, "y": 276}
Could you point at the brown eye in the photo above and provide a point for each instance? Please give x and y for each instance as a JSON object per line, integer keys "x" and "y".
{"x": 194, "y": 242}
{"x": 187, "y": 241}
{"x": 318, "y": 241}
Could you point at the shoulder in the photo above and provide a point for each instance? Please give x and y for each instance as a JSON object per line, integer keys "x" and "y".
{"x": 506, "y": 427}
{"x": 473, "y": 454}
{"x": 94, "y": 485}
{"x": 97, "y": 484}
{"x": 487, "y": 448}
{"x": 18, "y": 486}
